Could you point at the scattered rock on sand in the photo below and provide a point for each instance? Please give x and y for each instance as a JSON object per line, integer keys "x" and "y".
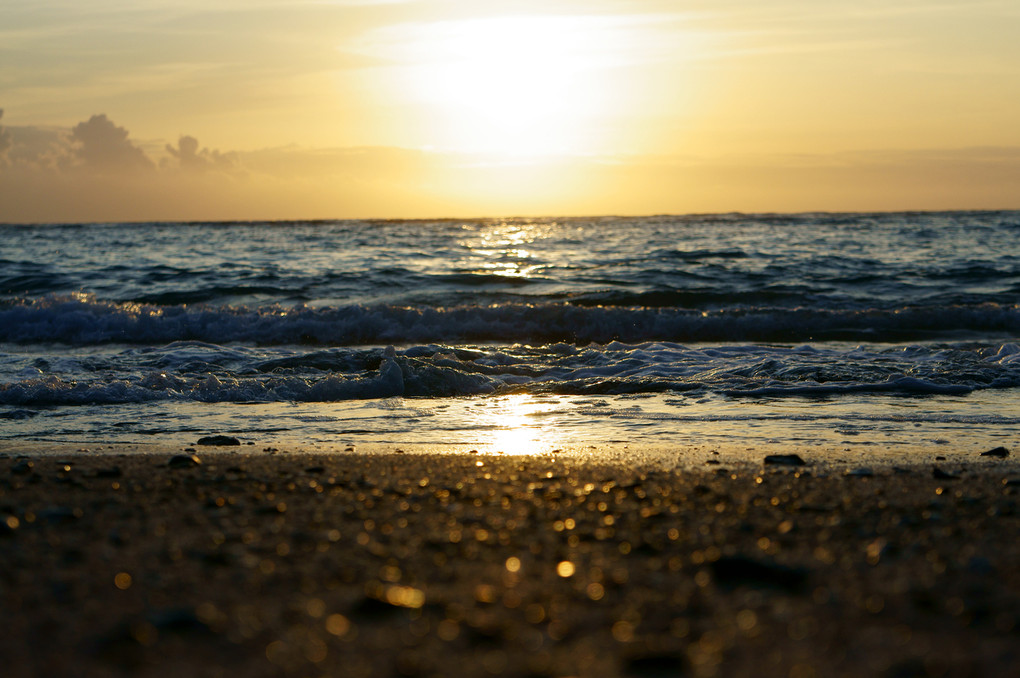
{"x": 184, "y": 461}
{"x": 59, "y": 515}
{"x": 653, "y": 665}
{"x": 22, "y": 467}
{"x": 177, "y": 620}
{"x": 785, "y": 460}
{"x": 8, "y": 525}
{"x": 221, "y": 441}
{"x": 734, "y": 571}
{"x": 1000, "y": 452}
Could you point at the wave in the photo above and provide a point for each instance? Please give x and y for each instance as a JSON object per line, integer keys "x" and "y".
{"x": 193, "y": 371}
{"x": 699, "y": 254}
{"x": 83, "y": 320}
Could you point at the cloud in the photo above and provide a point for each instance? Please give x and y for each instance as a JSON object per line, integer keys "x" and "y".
{"x": 38, "y": 148}
{"x": 51, "y": 174}
{"x": 5, "y": 137}
{"x": 100, "y": 144}
{"x": 191, "y": 158}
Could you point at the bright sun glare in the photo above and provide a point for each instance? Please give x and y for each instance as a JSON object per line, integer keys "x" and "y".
{"x": 509, "y": 85}
{"x": 515, "y": 429}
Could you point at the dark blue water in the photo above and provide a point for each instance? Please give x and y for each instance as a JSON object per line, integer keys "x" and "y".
{"x": 723, "y": 309}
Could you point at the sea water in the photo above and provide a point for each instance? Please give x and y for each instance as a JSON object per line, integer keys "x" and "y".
{"x": 517, "y": 334}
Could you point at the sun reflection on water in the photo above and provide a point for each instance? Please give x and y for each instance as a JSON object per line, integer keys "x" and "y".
{"x": 502, "y": 248}
{"x": 514, "y": 428}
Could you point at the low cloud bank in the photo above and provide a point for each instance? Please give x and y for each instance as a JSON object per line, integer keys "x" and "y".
{"x": 95, "y": 171}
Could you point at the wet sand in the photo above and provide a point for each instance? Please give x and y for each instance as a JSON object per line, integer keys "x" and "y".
{"x": 265, "y": 562}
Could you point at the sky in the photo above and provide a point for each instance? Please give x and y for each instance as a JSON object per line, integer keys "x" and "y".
{"x": 117, "y": 110}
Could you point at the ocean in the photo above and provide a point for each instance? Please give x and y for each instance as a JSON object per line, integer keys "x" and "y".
{"x": 853, "y": 331}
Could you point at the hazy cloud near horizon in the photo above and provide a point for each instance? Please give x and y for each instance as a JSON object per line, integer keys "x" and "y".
{"x": 191, "y": 157}
{"x": 5, "y": 137}
{"x": 98, "y": 143}
{"x": 95, "y": 171}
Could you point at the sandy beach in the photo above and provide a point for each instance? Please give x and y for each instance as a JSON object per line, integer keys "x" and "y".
{"x": 264, "y": 562}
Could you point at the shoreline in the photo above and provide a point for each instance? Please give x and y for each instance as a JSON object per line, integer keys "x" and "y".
{"x": 822, "y": 457}
{"x": 306, "y": 561}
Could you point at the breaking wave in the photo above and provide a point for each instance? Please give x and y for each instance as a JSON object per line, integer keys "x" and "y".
{"x": 80, "y": 320}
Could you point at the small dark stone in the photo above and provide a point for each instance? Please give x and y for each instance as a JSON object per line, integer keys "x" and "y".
{"x": 981, "y": 566}
{"x": 785, "y": 460}
{"x": 863, "y": 472}
{"x": 177, "y": 620}
{"x": 907, "y": 668}
{"x": 72, "y": 557}
{"x": 1000, "y": 452}
{"x": 23, "y": 467}
{"x": 184, "y": 461}
{"x": 939, "y": 474}
{"x": 656, "y": 665}
{"x": 713, "y": 462}
{"x": 217, "y": 558}
{"x": 734, "y": 571}
{"x": 221, "y": 441}
{"x": 373, "y": 609}
{"x": 59, "y": 515}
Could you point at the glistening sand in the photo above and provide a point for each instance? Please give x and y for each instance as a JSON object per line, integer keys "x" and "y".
{"x": 266, "y": 562}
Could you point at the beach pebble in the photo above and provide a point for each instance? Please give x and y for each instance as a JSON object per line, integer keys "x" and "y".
{"x": 177, "y": 620}
{"x": 734, "y": 571}
{"x": 657, "y": 665}
{"x": 221, "y": 441}
{"x": 1000, "y": 452}
{"x": 8, "y": 526}
{"x": 785, "y": 460}
{"x": 22, "y": 467}
{"x": 184, "y": 461}
{"x": 59, "y": 515}
{"x": 374, "y": 610}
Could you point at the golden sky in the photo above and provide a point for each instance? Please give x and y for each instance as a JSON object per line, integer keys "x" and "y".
{"x": 249, "y": 109}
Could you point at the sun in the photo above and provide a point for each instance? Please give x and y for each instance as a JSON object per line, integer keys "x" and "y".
{"x": 519, "y": 85}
